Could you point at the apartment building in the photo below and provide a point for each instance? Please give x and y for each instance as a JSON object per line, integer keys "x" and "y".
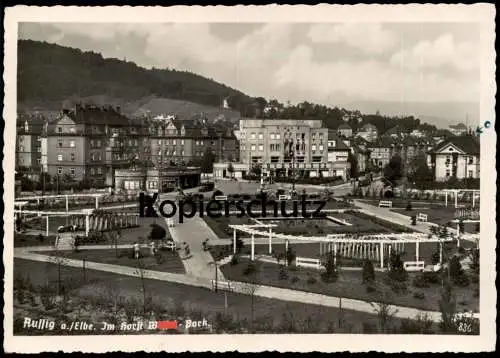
{"x": 345, "y": 130}
{"x": 456, "y": 157}
{"x": 368, "y": 132}
{"x": 29, "y": 144}
{"x": 89, "y": 143}
{"x": 338, "y": 154}
{"x": 185, "y": 141}
{"x": 282, "y": 145}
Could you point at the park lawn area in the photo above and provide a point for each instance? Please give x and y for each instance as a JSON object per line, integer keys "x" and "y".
{"x": 189, "y": 300}
{"x": 24, "y": 240}
{"x": 441, "y": 216}
{"x": 349, "y": 285}
{"x": 171, "y": 260}
{"x": 402, "y": 203}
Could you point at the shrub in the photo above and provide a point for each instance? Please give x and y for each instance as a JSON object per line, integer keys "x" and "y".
{"x": 369, "y": 328}
{"x": 419, "y": 295}
{"x": 396, "y": 269}
{"x": 234, "y": 261}
{"x": 420, "y": 325}
{"x": 462, "y": 280}
{"x": 157, "y": 232}
{"x": 420, "y": 282}
{"x": 283, "y": 274}
{"x": 160, "y": 259}
{"x": 368, "y": 272}
{"x": 312, "y": 280}
{"x": 249, "y": 269}
{"x": 398, "y": 286}
{"x": 370, "y": 289}
{"x": 295, "y": 279}
{"x": 432, "y": 277}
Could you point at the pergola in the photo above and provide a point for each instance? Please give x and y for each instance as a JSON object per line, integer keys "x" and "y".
{"x": 332, "y": 241}
{"x": 470, "y": 236}
{"x": 456, "y": 191}
{"x": 65, "y": 196}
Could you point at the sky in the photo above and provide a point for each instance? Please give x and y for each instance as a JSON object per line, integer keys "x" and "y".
{"x": 338, "y": 64}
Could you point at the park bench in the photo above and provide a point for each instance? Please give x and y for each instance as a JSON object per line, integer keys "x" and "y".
{"x": 284, "y": 197}
{"x": 220, "y": 198}
{"x": 307, "y": 262}
{"x": 414, "y": 266}
{"x": 422, "y": 217}
{"x": 222, "y": 285}
{"x": 385, "y": 203}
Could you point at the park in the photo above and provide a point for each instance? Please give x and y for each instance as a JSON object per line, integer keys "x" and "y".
{"x": 366, "y": 258}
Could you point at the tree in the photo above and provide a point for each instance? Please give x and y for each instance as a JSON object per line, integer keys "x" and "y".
{"x": 394, "y": 169}
{"x": 330, "y": 274}
{"x": 59, "y": 258}
{"x": 384, "y": 311}
{"x": 256, "y": 170}
{"x": 157, "y": 232}
{"x": 249, "y": 288}
{"x": 353, "y": 161}
{"x": 141, "y": 273}
{"x": 422, "y": 176}
{"x": 290, "y": 256}
{"x": 447, "y": 306}
{"x": 368, "y": 272}
{"x": 207, "y": 161}
{"x": 113, "y": 237}
{"x": 396, "y": 268}
{"x": 230, "y": 169}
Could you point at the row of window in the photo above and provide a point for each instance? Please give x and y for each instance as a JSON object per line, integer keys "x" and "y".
{"x": 21, "y": 138}
{"x": 21, "y": 149}
{"x": 60, "y": 157}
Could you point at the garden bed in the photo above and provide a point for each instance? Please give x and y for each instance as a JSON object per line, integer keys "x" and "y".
{"x": 169, "y": 261}
{"x": 350, "y": 285}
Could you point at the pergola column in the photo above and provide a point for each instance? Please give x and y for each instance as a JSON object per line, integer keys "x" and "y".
{"x": 46, "y": 226}
{"x": 456, "y": 198}
{"x": 473, "y": 199}
{"x": 87, "y": 224}
{"x": 390, "y": 250}
{"x": 417, "y": 247}
{"x": 334, "y": 253}
{"x": 67, "y": 204}
{"x": 97, "y": 202}
{"x": 253, "y": 247}
{"x": 270, "y": 241}
{"x": 446, "y": 198}
{"x": 381, "y": 255}
{"x": 440, "y": 252}
{"x": 234, "y": 241}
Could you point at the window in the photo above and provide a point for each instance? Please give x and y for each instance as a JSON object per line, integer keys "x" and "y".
{"x": 277, "y": 136}
{"x": 174, "y": 142}
{"x": 275, "y": 159}
{"x": 471, "y": 160}
{"x": 59, "y": 130}
{"x": 470, "y": 174}
{"x": 99, "y": 170}
{"x": 174, "y": 153}
{"x": 313, "y": 147}
{"x": 261, "y": 147}
{"x": 21, "y": 148}
{"x": 59, "y": 157}
{"x": 60, "y": 143}
{"x": 72, "y": 156}
{"x": 72, "y": 143}
{"x": 182, "y": 141}
{"x": 72, "y": 172}
{"x": 201, "y": 142}
{"x": 59, "y": 170}
{"x": 39, "y": 149}
{"x": 72, "y": 129}
{"x": 92, "y": 171}
{"x": 253, "y": 147}
{"x": 38, "y": 138}
{"x": 252, "y": 136}
{"x": 321, "y": 147}
{"x": 448, "y": 159}
{"x": 39, "y": 161}
{"x": 447, "y": 172}
{"x": 98, "y": 143}
{"x": 182, "y": 152}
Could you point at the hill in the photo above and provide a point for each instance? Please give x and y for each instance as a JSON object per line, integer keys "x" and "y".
{"x": 49, "y": 74}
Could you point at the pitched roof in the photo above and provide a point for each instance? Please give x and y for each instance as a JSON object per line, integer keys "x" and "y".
{"x": 344, "y": 126}
{"x": 97, "y": 115}
{"x": 458, "y": 126}
{"x": 468, "y": 144}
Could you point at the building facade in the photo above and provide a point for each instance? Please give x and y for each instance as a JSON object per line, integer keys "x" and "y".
{"x": 345, "y": 130}
{"x": 456, "y": 157}
{"x": 283, "y": 145}
{"x": 29, "y": 145}
{"x": 368, "y": 132}
{"x": 338, "y": 154}
{"x": 458, "y": 129}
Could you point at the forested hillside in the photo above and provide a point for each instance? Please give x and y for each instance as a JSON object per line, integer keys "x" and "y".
{"x": 49, "y": 74}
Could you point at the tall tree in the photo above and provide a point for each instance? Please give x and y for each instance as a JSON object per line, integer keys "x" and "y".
{"x": 207, "y": 161}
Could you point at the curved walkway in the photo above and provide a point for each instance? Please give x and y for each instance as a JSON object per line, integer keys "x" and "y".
{"x": 29, "y": 253}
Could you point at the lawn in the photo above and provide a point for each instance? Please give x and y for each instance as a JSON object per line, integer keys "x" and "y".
{"x": 350, "y": 285}
{"x": 402, "y": 203}
{"x": 270, "y": 315}
{"x": 441, "y": 216}
{"x": 170, "y": 261}
{"x": 23, "y": 240}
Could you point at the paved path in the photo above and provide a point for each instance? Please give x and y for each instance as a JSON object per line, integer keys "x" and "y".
{"x": 194, "y": 231}
{"x": 239, "y": 287}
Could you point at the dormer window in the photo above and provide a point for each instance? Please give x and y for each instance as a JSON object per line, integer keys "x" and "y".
{"x": 26, "y": 126}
